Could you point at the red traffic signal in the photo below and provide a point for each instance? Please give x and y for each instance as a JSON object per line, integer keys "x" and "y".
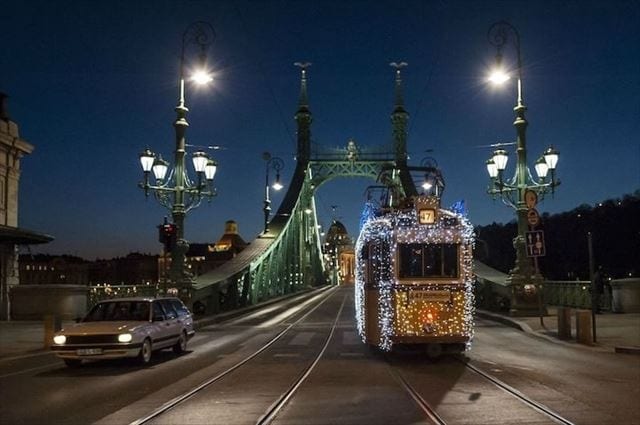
{"x": 167, "y": 235}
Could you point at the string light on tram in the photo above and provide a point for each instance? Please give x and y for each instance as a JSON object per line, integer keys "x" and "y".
{"x": 461, "y": 308}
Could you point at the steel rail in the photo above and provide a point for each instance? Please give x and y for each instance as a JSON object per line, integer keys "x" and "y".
{"x": 415, "y": 395}
{"x": 275, "y": 408}
{"x": 181, "y": 398}
{"x": 520, "y": 396}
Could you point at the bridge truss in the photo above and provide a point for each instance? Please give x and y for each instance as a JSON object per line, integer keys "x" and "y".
{"x": 288, "y": 257}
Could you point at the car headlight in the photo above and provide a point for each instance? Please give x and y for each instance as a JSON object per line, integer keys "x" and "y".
{"x": 125, "y": 338}
{"x": 59, "y": 339}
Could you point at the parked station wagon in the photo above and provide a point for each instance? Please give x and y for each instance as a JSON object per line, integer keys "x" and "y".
{"x": 126, "y": 327}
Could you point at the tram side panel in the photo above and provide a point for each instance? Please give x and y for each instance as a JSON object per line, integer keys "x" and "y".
{"x": 372, "y": 330}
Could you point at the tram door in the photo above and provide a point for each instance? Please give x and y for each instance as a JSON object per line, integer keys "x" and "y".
{"x": 371, "y": 290}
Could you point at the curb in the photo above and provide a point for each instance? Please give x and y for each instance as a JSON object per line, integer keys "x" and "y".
{"x": 217, "y": 318}
{"x": 627, "y": 350}
{"x": 523, "y": 327}
{"x": 504, "y": 320}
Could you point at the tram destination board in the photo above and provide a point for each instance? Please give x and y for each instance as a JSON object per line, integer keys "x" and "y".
{"x": 424, "y": 295}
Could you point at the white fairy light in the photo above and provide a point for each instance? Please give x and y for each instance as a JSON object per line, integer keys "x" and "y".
{"x": 378, "y": 240}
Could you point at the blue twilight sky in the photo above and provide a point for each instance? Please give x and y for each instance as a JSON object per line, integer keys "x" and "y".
{"x": 92, "y": 83}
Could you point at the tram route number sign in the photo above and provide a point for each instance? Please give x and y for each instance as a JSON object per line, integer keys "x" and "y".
{"x": 534, "y": 242}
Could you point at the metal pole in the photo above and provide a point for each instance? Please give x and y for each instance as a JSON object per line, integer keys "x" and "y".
{"x": 178, "y": 209}
{"x": 267, "y": 201}
{"x": 539, "y": 288}
{"x": 594, "y": 293}
{"x": 523, "y": 265}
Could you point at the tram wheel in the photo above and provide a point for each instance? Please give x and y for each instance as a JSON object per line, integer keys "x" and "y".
{"x": 434, "y": 351}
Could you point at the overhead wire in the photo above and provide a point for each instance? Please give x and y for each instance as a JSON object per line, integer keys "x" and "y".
{"x": 266, "y": 80}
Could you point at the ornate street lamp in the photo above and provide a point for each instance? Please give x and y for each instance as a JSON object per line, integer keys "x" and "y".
{"x": 174, "y": 189}
{"x": 522, "y": 185}
{"x": 276, "y": 164}
{"x": 433, "y": 183}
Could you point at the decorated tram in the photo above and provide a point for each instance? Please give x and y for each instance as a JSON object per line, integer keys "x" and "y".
{"x": 414, "y": 277}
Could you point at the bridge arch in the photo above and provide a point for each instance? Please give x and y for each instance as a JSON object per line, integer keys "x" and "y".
{"x": 288, "y": 256}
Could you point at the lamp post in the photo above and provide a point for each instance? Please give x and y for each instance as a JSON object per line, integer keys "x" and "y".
{"x": 433, "y": 183}
{"x": 174, "y": 189}
{"x": 276, "y": 164}
{"x": 522, "y": 192}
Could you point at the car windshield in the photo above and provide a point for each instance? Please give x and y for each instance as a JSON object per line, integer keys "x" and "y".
{"x": 119, "y": 310}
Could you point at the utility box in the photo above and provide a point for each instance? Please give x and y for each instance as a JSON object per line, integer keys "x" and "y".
{"x": 584, "y": 334}
{"x": 564, "y": 323}
{"x": 625, "y": 295}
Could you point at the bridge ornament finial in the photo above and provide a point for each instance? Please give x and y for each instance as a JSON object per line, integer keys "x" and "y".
{"x": 399, "y": 101}
{"x": 303, "y": 102}
{"x": 303, "y": 117}
{"x": 352, "y": 150}
{"x": 399, "y": 118}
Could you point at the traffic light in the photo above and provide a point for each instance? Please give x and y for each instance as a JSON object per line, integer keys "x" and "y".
{"x": 167, "y": 235}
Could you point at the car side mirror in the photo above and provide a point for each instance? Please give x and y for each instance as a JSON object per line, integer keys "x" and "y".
{"x": 158, "y": 318}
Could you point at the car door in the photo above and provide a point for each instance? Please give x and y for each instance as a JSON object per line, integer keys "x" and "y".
{"x": 172, "y": 323}
{"x": 161, "y": 327}
{"x": 184, "y": 316}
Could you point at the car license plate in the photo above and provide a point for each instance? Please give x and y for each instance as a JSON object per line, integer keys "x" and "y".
{"x": 89, "y": 351}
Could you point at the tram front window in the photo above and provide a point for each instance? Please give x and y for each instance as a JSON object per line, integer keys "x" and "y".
{"x": 428, "y": 261}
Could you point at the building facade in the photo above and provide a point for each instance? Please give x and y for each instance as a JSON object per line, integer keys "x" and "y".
{"x": 339, "y": 254}
{"x": 12, "y": 149}
{"x": 204, "y": 257}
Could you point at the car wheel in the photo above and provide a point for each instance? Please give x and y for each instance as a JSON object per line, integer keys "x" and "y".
{"x": 144, "y": 356}
{"x": 181, "y": 345}
{"x": 72, "y": 362}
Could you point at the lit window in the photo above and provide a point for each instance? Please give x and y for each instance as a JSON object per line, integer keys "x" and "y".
{"x": 428, "y": 261}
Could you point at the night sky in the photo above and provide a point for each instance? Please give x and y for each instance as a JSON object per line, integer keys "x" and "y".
{"x": 92, "y": 83}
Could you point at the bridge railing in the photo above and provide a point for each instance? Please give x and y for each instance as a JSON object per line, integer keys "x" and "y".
{"x": 286, "y": 259}
{"x": 573, "y": 293}
{"x": 103, "y": 292}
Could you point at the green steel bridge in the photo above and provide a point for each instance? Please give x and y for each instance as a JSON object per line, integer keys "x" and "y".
{"x": 288, "y": 257}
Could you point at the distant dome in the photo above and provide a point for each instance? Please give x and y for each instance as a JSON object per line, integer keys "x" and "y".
{"x": 337, "y": 233}
{"x": 337, "y": 228}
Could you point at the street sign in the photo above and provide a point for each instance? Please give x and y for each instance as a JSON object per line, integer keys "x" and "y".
{"x": 530, "y": 198}
{"x": 533, "y": 218}
{"x": 534, "y": 241}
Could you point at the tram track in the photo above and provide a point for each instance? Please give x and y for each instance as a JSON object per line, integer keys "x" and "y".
{"x": 520, "y": 396}
{"x": 437, "y": 418}
{"x": 286, "y": 396}
{"x": 282, "y": 400}
{"x": 428, "y": 410}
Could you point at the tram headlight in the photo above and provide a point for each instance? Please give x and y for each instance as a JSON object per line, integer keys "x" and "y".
{"x": 429, "y": 326}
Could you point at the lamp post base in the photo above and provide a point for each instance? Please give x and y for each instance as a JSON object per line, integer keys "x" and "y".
{"x": 526, "y": 298}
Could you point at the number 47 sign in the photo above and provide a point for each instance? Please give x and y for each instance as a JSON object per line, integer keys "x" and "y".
{"x": 535, "y": 243}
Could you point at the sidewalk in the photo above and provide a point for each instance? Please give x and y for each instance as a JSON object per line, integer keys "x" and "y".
{"x": 618, "y": 333}
{"x": 615, "y": 332}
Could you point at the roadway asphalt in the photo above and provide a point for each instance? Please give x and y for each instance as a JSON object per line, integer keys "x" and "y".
{"x": 615, "y": 332}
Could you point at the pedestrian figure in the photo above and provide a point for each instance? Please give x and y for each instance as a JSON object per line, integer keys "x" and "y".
{"x": 598, "y": 281}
